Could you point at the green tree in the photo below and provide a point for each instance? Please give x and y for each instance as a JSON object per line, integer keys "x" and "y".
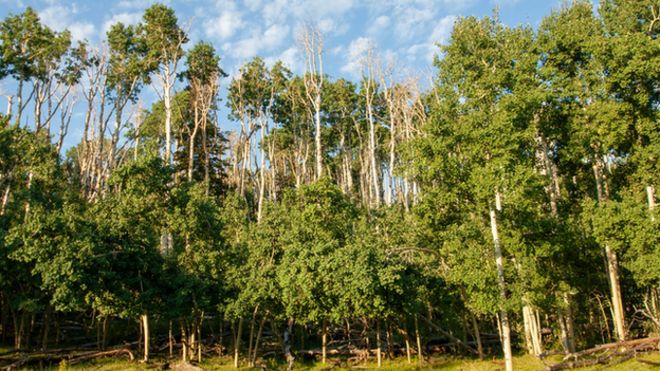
{"x": 164, "y": 39}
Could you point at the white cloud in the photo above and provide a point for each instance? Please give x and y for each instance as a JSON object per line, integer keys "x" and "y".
{"x": 439, "y": 35}
{"x": 15, "y": 3}
{"x": 337, "y": 50}
{"x": 504, "y": 2}
{"x": 447, "y": 5}
{"x": 442, "y": 30}
{"x": 379, "y": 25}
{"x": 125, "y": 18}
{"x": 317, "y": 9}
{"x": 357, "y": 51}
{"x": 331, "y": 26}
{"x": 224, "y": 25}
{"x": 246, "y": 48}
{"x": 253, "y": 5}
{"x": 131, "y": 4}
{"x": 290, "y": 58}
{"x": 55, "y": 17}
{"x": 82, "y": 31}
{"x": 59, "y": 18}
{"x": 268, "y": 40}
{"x": 274, "y": 36}
{"x": 276, "y": 11}
{"x": 407, "y": 24}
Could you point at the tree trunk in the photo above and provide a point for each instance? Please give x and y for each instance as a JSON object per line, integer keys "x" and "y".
{"x": 372, "y": 157}
{"x": 170, "y": 343}
{"x": 10, "y": 101}
{"x": 615, "y": 287}
{"x": 379, "y": 356}
{"x": 650, "y": 195}
{"x": 45, "y": 327}
{"x": 499, "y": 261}
{"x": 408, "y": 355}
{"x": 199, "y": 338}
{"x": 221, "y": 334}
{"x": 251, "y": 337}
{"x": 168, "y": 116}
{"x": 388, "y": 339}
{"x": 287, "y": 345}
{"x": 532, "y": 331}
{"x": 184, "y": 343}
{"x": 612, "y": 259}
{"x": 192, "y": 348}
{"x": 565, "y": 319}
{"x": 19, "y": 96}
{"x": 106, "y": 329}
{"x": 256, "y": 342}
{"x": 5, "y": 199}
{"x": 145, "y": 323}
{"x": 477, "y": 335}
{"x": 262, "y": 169}
{"x": 317, "y": 136}
{"x": 324, "y": 342}
{"x": 237, "y": 342}
{"x": 420, "y": 355}
{"x": 570, "y": 324}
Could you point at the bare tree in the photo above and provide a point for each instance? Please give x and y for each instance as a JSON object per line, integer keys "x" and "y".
{"x": 370, "y": 89}
{"x": 310, "y": 39}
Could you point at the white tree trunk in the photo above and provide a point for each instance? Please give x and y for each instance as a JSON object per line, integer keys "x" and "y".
{"x": 650, "y": 195}
{"x": 237, "y": 342}
{"x": 324, "y": 342}
{"x": 167, "y": 101}
{"x": 145, "y": 324}
{"x": 372, "y": 157}
{"x": 317, "y": 136}
{"x": 532, "y": 331}
{"x": 499, "y": 261}
{"x": 618, "y": 312}
{"x": 262, "y": 170}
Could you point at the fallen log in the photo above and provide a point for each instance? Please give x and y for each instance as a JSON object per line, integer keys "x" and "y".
{"x": 70, "y": 359}
{"x": 108, "y": 353}
{"x": 647, "y": 362}
{"x": 454, "y": 339}
{"x": 606, "y": 353}
{"x": 616, "y": 345}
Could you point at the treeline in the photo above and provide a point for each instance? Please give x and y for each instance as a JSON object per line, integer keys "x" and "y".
{"x": 509, "y": 206}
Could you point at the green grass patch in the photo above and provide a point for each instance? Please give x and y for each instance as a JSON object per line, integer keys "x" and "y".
{"x": 520, "y": 363}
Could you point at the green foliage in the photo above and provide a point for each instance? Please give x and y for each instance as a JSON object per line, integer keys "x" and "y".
{"x": 161, "y": 35}
{"x": 554, "y": 132}
{"x": 30, "y": 49}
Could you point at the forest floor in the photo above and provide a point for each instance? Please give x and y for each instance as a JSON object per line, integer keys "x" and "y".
{"x": 522, "y": 363}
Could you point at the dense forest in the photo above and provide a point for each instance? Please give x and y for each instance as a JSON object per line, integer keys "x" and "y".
{"x": 509, "y": 207}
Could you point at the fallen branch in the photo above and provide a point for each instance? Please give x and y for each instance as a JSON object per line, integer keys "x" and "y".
{"x": 607, "y": 353}
{"x": 448, "y": 335}
{"x": 647, "y": 362}
{"x": 108, "y": 353}
{"x": 617, "y": 345}
{"x": 71, "y": 359}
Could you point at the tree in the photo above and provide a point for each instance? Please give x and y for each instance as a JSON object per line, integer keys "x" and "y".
{"x": 129, "y": 225}
{"x": 164, "y": 40}
{"x": 311, "y": 41}
{"x": 598, "y": 134}
{"x": 127, "y": 70}
{"x": 203, "y": 73}
{"x": 482, "y": 136}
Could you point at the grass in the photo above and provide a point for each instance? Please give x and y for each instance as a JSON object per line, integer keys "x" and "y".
{"x": 522, "y": 363}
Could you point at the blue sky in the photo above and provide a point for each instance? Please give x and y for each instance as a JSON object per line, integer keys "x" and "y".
{"x": 402, "y": 30}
